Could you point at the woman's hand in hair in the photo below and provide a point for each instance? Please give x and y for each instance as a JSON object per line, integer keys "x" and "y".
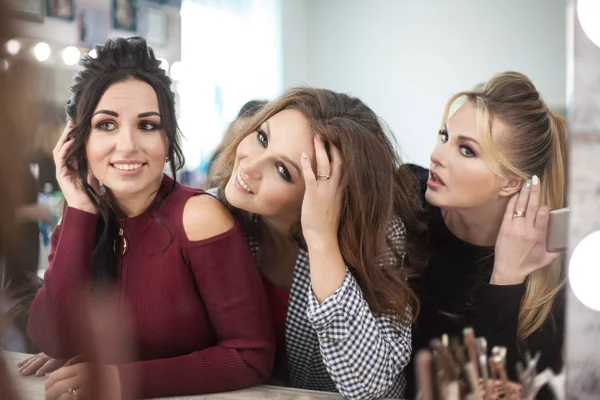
{"x": 521, "y": 244}
{"x": 322, "y": 198}
{"x": 69, "y": 180}
{"x": 321, "y": 210}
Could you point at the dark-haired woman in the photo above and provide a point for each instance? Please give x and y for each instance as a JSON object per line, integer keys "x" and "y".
{"x": 182, "y": 267}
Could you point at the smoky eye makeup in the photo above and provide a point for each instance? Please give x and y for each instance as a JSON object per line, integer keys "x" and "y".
{"x": 262, "y": 137}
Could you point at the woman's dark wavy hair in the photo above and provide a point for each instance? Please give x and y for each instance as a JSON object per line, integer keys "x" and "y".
{"x": 116, "y": 61}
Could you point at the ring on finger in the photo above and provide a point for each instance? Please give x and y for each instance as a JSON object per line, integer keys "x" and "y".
{"x": 73, "y": 393}
{"x": 323, "y": 177}
{"x": 518, "y": 214}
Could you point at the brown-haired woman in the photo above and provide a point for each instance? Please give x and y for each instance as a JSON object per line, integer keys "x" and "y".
{"x": 498, "y": 167}
{"x": 247, "y": 111}
{"x": 315, "y": 177}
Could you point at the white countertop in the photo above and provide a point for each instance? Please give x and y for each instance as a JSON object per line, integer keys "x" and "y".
{"x": 32, "y": 388}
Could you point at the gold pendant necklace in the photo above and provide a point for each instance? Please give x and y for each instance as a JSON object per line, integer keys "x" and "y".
{"x": 123, "y": 240}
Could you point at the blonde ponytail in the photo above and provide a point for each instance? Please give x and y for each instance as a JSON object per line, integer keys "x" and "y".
{"x": 544, "y": 284}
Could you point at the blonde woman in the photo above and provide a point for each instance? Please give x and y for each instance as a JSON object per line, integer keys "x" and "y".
{"x": 497, "y": 168}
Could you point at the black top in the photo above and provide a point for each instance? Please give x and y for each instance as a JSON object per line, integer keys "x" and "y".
{"x": 455, "y": 293}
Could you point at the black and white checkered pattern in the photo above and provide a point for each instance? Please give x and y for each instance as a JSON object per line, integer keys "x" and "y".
{"x": 339, "y": 345}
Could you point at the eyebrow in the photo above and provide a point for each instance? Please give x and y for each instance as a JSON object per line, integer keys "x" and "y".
{"x": 285, "y": 158}
{"x": 114, "y": 114}
{"x": 463, "y": 137}
{"x": 467, "y": 139}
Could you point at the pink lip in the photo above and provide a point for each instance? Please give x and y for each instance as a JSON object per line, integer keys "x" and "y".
{"x": 127, "y": 162}
{"x": 435, "y": 184}
{"x": 239, "y": 187}
{"x": 129, "y": 173}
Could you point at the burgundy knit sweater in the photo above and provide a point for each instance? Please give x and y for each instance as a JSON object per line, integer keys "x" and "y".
{"x": 197, "y": 309}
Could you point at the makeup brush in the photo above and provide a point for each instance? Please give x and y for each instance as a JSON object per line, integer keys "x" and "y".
{"x": 481, "y": 345}
{"x": 425, "y": 381}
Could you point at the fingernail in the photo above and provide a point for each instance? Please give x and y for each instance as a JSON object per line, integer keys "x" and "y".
{"x": 516, "y": 195}
{"x": 535, "y": 180}
{"x": 528, "y": 183}
{"x": 39, "y": 373}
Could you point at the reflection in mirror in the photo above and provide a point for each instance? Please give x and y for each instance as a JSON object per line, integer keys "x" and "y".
{"x": 405, "y": 60}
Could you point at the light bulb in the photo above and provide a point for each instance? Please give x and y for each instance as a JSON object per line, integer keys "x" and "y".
{"x": 13, "y": 46}
{"x": 164, "y": 64}
{"x": 584, "y": 271}
{"x": 588, "y": 13}
{"x": 41, "y": 51}
{"x": 177, "y": 71}
{"x": 71, "y": 55}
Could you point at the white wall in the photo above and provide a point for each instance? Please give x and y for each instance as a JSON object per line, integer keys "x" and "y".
{"x": 405, "y": 58}
{"x": 59, "y": 33}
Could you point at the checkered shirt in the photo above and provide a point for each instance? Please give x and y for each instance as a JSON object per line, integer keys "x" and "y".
{"x": 339, "y": 345}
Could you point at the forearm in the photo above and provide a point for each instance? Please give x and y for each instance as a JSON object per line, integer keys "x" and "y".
{"x": 327, "y": 268}
{"x": 365, "y": 355}
{"x": 496, "y": 318}
{"x": 215, "y": 369}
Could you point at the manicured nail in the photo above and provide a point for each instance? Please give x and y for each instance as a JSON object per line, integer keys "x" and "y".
{"x": 528, "y": 183}
{"x": 39, "y": 373}
{"x": 535, "y": 180}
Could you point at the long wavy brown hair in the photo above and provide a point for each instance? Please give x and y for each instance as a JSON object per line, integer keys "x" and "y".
{"x": 377, "y": 190}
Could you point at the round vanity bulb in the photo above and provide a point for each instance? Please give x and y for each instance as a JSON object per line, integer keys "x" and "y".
{"x": 71, "y": 55}
{"x": 177, "y": 71}
{"x": 41, "y": 51}
{"x": 588, "y": 13}
{"x": 13, "y": 46}
{"x": 584, "y": 271}
{"x": 164, "y": 64}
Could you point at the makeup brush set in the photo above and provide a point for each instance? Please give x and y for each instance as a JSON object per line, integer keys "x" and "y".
{"x": 451, "y": 370}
